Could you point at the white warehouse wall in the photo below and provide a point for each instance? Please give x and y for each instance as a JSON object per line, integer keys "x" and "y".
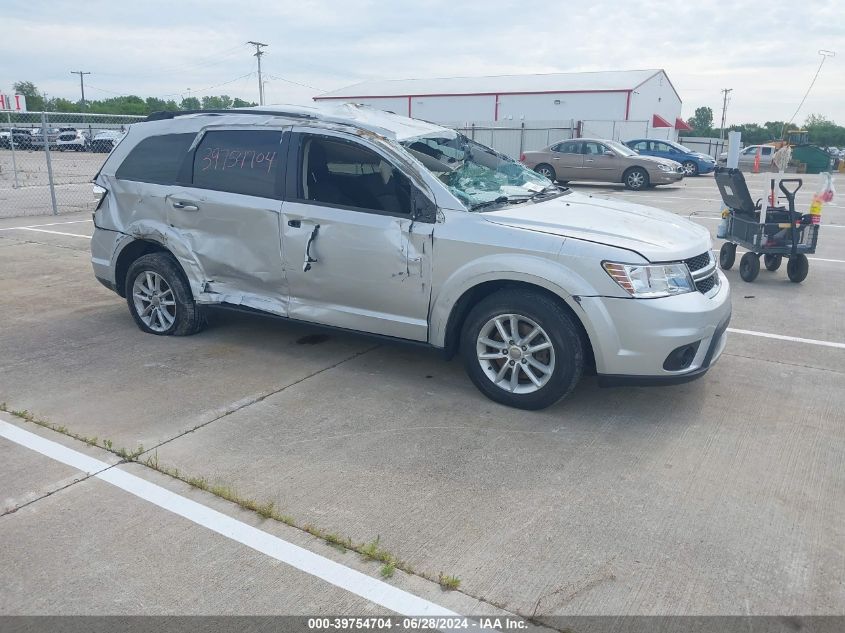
{"x": 573, "y": 105}
{"x": 454, "y": 108}
{"x": 656, "y": 96}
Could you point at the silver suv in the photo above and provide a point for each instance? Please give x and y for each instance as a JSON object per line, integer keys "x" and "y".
{"x": 363, "y": 220}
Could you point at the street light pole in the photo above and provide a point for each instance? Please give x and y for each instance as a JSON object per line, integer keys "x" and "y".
{"x": 81, "y": 84}
{"x": 258, "y": 54}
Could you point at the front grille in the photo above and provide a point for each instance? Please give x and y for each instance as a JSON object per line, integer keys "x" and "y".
{"x": 706, "y": 285}
{"x": 698, "y": 262}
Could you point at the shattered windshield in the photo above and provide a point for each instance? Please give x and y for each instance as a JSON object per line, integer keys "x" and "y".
{"x": 476, "y": 175}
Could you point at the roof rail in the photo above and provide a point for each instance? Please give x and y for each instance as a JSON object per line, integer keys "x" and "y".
{"x": 172, "y": 114}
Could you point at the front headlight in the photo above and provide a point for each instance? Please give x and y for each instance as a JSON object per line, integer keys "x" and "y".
{"x": 663, "y": 167}
{"x": 650, "y": 281}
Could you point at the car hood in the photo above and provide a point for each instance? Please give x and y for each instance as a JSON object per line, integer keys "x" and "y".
{"x": 656, "y": 159}
{"x": 704, "y": 157}
{"x": 657, "y": 235}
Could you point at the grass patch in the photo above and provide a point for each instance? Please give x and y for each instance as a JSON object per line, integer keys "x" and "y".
{"x": 450, "y": 583}
{"x": 387, "y": 570}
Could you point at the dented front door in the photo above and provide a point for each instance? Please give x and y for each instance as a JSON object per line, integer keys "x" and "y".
{"x": 358, "y": 270}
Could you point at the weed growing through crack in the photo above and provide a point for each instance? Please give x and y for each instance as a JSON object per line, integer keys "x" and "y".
{"x": 449, "y": 583}
{"x": 387, "y": 570}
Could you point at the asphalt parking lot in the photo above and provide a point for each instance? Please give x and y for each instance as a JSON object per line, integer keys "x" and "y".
{"x": 725, "y": 496}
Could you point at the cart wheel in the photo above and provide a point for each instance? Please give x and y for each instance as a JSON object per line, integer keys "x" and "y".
{"x": 727, "y": 255}
{"x": 797, "y": 268}
{"x": 772, "y": 262}
{"x": 749, "y": 267}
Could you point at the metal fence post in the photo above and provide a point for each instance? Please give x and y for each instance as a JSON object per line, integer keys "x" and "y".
{"x": 12, "y": 147}
{"x": 472, "y": 132}
{"x": 521, "y": 137}
{"x": 45, "y": 135}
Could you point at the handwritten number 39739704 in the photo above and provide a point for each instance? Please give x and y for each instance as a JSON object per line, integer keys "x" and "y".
{"x": 222, "y": 159}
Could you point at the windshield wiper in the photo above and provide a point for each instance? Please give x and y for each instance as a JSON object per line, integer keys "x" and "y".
{"x": 489, "y": 203}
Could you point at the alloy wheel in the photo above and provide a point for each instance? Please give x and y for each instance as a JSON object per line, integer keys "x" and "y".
{"x": 515, "y": 353}
{"x": 154, "y": 301}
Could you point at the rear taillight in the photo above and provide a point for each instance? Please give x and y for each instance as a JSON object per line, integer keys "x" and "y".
{"x": 522, "y": 158}
{"x": 100, "y": 194}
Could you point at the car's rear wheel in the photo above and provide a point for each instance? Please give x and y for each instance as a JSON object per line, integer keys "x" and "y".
{"x": 636, "y": 178}
{"x": 160, "y": 298}
{"x": 522, "y": 349}
{"x": 690, "y": 168}
{"x": 547, "y": 171}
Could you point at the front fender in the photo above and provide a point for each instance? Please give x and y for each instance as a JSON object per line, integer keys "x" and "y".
{"x": 544, "y": 273}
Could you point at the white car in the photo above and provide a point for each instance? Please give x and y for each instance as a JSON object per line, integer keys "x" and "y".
{"x": 106, "y": 140}
{"x": 748, "y": 155}
{"x": 72, "y": 140}
{"x": 354, "y": 218}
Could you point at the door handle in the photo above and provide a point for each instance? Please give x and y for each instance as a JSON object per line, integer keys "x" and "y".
{"x": 306, "y": 265}
{"x": 295, "y": 223}
{"x": 589, "y": 160}
{"x": 185, "y": 206}
{"x": 555, "y": 157}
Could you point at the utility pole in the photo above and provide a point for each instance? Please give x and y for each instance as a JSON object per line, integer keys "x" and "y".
{"x": 258, "y": 54}
{"x": 726, "y": 92}
{"x": 81, "y": 84}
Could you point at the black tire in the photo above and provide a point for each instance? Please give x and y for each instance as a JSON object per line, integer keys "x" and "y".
{"x": 189, "y": 317}
{"x": 749, "y": 267}
{"x": 636, "y": 179}
{"x": 556, "y": 324}
{"x": 727, "y": 255}
{"x": 797, "y": 268}
{"x": 544, "y": 169}
{"x": 772, "y": 262}
{"x": 690, "y": 168}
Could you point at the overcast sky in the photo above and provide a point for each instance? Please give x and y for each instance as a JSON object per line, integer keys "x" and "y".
{"x": 766, "y": 51}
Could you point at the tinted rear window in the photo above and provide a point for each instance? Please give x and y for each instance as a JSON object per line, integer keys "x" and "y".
{"x": 239, "y": 161}
{"x": 156, "y": 159}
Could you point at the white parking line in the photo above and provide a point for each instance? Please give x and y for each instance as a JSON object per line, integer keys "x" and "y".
{"x": 334, "y": 573}
{"x": 12, "y": 228}
{"x": 32, "y": 228}
{"x": 794, "y": 339}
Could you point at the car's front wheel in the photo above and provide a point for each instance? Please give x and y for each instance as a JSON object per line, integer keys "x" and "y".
{"x": 690, "y": 168}
{"x": 522, "y": 349}
{"x": 160, "y": 298}
{"x": 636, "y": 178}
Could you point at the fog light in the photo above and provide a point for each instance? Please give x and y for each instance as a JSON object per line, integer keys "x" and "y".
{"x": 681, "y": 358}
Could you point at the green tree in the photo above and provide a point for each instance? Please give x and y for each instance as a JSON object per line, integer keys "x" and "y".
{"x": 191, "y": 103}
{"x": 240, "y": 103}
{"x": 216, "y": 103}
{"x": 702, "y": 121}
{"x": 34, "y": 98}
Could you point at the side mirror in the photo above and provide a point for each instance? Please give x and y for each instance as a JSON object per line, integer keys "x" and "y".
{"x": 422, "y": 209}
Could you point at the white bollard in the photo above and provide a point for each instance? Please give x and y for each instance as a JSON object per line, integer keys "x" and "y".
{"x": 734, "y": 139}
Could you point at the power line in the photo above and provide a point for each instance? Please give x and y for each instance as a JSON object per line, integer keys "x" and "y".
{"x": 258, "y": 54}
{"x": 296, "y": 83}
{"x": 825, "y": 54}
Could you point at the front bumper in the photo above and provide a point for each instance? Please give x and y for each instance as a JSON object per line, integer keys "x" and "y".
{"x": 632, "y": 338}
{"x": 665, "y": 177}
{"x": 706, "y": 168}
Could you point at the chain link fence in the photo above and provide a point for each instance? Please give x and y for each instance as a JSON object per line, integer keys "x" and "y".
{"x": 512, "y": 138}
{"x": 48, "y": 159}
